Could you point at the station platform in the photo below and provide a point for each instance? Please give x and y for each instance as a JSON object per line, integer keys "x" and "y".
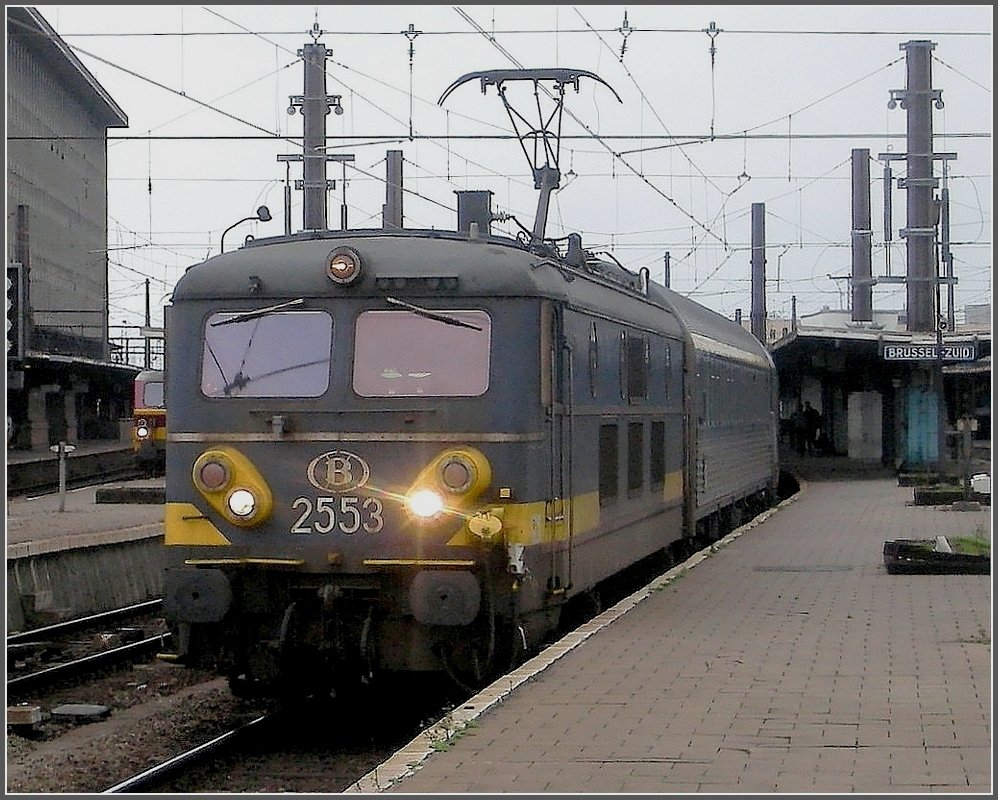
{"x": 784, "y": 658}
{"x": 69, "y": 556}
{"x": 46, "y": 523}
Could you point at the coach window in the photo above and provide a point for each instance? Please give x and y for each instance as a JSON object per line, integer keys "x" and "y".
{"x": 657, "y": 465}
{"x": 668, "y": 367}
{"x": 607, "y": 463}
{"x": 275, "y": 354}
{"x": 404, "y": 354}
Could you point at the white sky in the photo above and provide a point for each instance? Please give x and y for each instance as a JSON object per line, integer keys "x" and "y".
{"x": 792, "y": 90}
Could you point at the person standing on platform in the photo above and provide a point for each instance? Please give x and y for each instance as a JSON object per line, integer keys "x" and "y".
{"x": 812, "y": 427}
{"x": 798, "y": 430}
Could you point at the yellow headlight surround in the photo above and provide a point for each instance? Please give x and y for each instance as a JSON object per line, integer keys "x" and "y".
{"x": 459, "y": 474}
{"x": 229, "y": 471}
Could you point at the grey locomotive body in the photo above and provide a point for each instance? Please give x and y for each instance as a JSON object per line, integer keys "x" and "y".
{"x": 399, "y": 451}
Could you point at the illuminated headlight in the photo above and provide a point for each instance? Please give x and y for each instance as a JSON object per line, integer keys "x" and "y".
{"x": 142, "y": 432}
{"x": 343, "y": 265}
{"x": 425, "y": 503}
{"x": 242, "y": 503}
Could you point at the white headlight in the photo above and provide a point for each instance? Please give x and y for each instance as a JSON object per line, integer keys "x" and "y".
{"x": 242, "y": 503}
{"x": 142, "y": 433}
{"x": 425, "y": 503}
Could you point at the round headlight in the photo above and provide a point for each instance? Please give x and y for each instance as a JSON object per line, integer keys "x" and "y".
{"x": 242, "y": 503}
{"x": 457, "y": 474}
{"x": 425, "y": 503}
{"x": 142, "y": 431}
{"x": 343, "y": 265}
{"x": 213, "y": 475}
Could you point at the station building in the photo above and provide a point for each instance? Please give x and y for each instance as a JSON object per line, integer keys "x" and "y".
{"x": 62, "y": 383}
{"x": 886, "y": 394}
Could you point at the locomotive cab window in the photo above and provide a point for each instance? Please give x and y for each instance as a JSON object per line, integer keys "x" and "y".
{"x": 276, "y": 354}
{"x": 404, "y": 354}
{"x": 150, "y": 395}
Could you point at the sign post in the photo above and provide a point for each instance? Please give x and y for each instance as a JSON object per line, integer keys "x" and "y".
{"x": 62, "y": 449}
{"x": 940, "y": 395}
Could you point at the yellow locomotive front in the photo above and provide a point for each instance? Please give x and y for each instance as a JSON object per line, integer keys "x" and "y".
{"x": 357, "y": 475}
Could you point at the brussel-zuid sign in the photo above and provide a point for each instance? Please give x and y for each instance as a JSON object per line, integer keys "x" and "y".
{"x": 965, "y": 351}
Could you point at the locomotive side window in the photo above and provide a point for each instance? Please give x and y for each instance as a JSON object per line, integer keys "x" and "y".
{"x": 607, "y": 463}
{"x": 593, "y": 359}
{"x": 401, "y": 354}
{"x": 276, "y": 354}
{"x": 635, "y": 457}
{"x": 635, "y": 357}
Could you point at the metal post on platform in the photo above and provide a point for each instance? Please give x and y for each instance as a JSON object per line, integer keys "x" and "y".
{"x": 966, "y": 426}
{"x": 62, "y": 476}
{"x": 940, "y": 397}
{"x": 62, "y": 449}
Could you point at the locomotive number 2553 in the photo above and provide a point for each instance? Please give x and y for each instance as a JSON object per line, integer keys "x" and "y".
{"x": 345, "y": 514}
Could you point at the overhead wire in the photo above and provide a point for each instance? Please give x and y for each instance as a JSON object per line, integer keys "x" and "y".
{"x": 712, "y": 32}
{"x": 585, "y": 127}
{"x": 534, "y": 31}
{"x": 743, "y": 135}
{"x": 272, "y": 135}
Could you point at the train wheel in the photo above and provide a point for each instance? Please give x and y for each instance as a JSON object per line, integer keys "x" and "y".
{"x": 303, "y": 669}
{"x": 466, "y": 665}
{"x": 680, "y": 550}
{"x": 511, "y": 648}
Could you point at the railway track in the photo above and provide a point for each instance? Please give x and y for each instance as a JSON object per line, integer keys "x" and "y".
{"x": 33, "y": 681}
{"x": 42, "y": 657}
{"x": 81, "y": 623}
{"x": 155, "y": 777}
{"x": 30, "y": 485}
{"x": 320, "y": 746}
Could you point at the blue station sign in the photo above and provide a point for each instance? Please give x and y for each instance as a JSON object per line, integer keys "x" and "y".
{"x": 963, "y": 351}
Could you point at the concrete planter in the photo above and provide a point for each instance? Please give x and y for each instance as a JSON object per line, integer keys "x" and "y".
{"x": 944, "y": 495}
{"x": 917, "y": 556}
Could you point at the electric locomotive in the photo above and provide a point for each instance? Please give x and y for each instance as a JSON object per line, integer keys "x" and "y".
{"x": 405, "y": 451}
{"x": 149, "y": 421}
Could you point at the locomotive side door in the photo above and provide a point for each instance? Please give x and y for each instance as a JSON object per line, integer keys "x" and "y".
{"x": 556, "y": 356}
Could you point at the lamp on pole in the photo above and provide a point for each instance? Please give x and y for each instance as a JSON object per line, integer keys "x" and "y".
{"x": 262, "y": 215}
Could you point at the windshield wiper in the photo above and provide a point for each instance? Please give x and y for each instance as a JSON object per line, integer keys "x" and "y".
{"x": 259, "y": 312}
{"x": 430, "y": 314}
{"x": 241, "y": 380}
